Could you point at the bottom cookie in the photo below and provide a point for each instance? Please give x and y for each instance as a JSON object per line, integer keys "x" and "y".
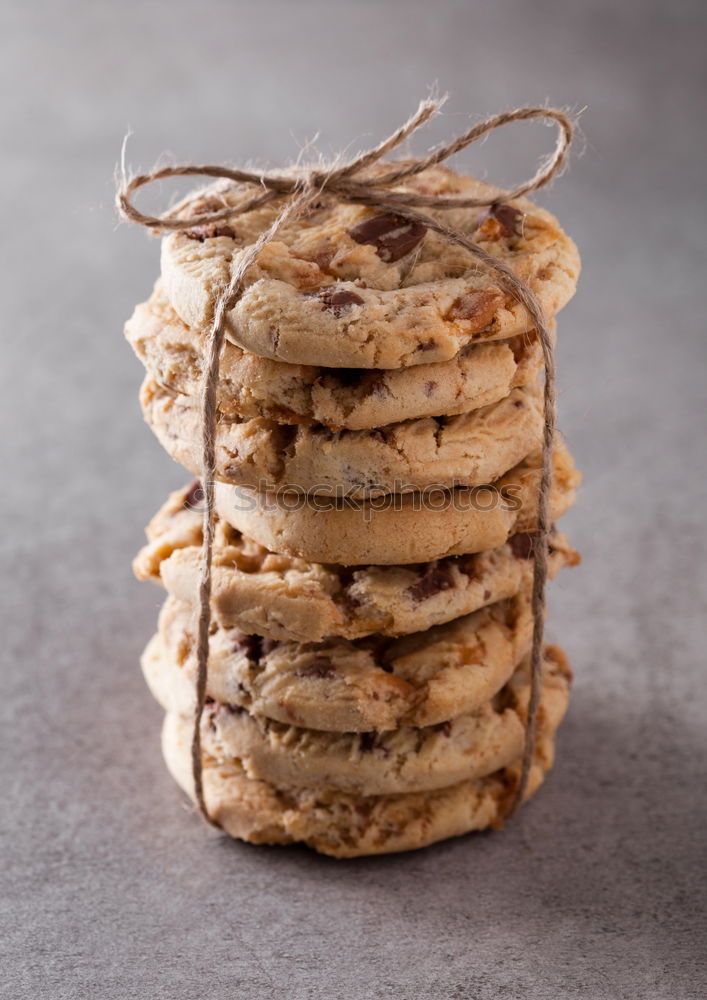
{"x": 344, "y": 825}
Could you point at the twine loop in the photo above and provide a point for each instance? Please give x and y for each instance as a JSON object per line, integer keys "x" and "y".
{"x": 350, "y": 182}
{"x": 354, "y": 183}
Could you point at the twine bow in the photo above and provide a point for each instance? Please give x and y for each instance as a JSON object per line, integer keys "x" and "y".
{"x": 352, "y": 183}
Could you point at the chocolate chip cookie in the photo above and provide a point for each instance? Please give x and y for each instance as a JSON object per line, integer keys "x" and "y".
{"x": 287, "y": 598}
{"x": 346, "y": 825}
{"x": 469, "y": 449}
{"x": 337, "y": 398}
{"x": 377, "y": 683}
{"x": 349, "y": 287}
{"x": 398, "y": 529}
{"x": 406, "y": 759}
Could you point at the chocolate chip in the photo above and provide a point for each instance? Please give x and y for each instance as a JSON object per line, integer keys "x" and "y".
{"x": 194, "y": 495}
{"x": 248, "y": 644}
{"x": 364, "y": 807}
{"x": 508, "y": 218}
{"x": 349, "y": 376}
{"x": 255, "y": 647}
{"x": 428, "y": 345}
{"x": 209, "y": 232}
{"x": 371, "y": 380}
{"x": 487, "y": 595}
{"x": 477, "y": 308}
{"x": 430, "y": 388}
{"x": 434, "y": 581}
{"x": 321, "y": 666}
{"x": 377, "y": 387}
{"x": 338, "y": 300}
{"x": 347, "y": 575}
{"x": 467, "y": 564}
{"x": 522, "y": 544}
{"x": 322, "y": 258}
{"x": 366, "y": 742}
{"x": 391, "y": 235}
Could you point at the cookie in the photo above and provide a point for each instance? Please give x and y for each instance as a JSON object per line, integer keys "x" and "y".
{"x": 406, "y": 759}
{"x": 470, "y": 449}
{"x": 344, "y": 825}
{"x": 287, "y": 598}
{"x": 349, "y": 287}
{"x": 341, "y": 686}
{"x": 341, "y": 399}
{"x": 398, "y": 529}
{"x": 341, "y": 825}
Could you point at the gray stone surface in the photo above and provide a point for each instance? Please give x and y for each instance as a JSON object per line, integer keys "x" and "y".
{"x": 112, "y": 888}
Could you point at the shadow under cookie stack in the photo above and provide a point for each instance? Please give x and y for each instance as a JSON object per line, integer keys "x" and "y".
{"x": 378, "y": 451}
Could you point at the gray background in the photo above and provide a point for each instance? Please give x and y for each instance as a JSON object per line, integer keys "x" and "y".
{"x": 113, "y": 888}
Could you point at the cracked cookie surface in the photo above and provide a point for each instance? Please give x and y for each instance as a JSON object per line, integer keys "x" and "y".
{"x": 406, "y": 759}
{"x": 470, "y": 449}
{"x": 341, "y": 399}
{"x": 349, "y": 287}
{"x": 377, "y": 683}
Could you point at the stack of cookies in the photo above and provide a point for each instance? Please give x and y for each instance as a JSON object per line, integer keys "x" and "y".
{"x": 378, "y": 453}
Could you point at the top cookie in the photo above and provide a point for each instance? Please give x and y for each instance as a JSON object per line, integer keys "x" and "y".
{"x": 349, "y": 287}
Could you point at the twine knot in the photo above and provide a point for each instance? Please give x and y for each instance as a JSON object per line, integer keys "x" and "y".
{"x": 352, "y": 181}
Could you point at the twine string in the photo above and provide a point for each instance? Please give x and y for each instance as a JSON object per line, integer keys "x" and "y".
{"x": 351, "y": 183}
{"x": 225, "y": 302}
